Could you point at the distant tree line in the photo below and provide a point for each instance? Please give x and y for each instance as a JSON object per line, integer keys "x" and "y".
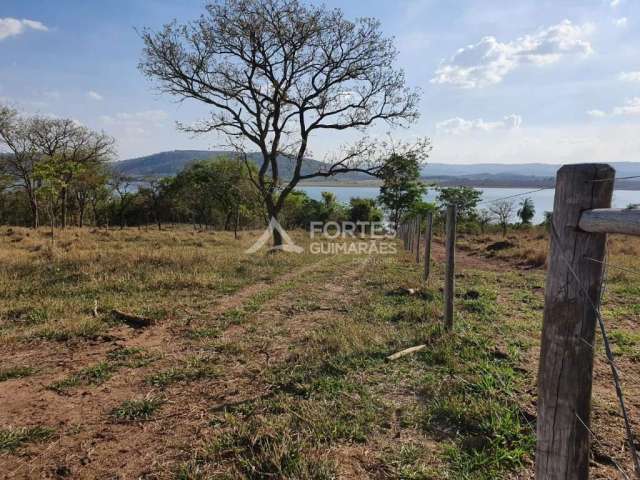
{"x": 58, "y": 173}
{"x": 50, "y": 167}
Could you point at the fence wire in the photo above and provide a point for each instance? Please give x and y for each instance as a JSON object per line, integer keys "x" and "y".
{"x": 593, "y": 435}
{"x": 608, "y": 264}
{"x": 611, "y": 179}
{"x": 514, "y": 196}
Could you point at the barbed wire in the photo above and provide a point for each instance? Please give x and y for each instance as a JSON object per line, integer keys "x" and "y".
{"x": 624, "y": 474}
{"x": 608, "y": 351}
{"x": 613, "y": 178}
{"x": 514, "y": 196}
{"x": 616, "y": 267}
{"x": 551, "y": 188}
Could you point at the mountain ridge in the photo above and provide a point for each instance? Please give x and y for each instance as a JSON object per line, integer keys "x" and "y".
{"x": 171, "y": 162}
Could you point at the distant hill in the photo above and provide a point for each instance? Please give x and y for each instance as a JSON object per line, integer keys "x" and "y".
{"x": 475, "y": 175}
{"x": 525, "y": 175}
{"x": 166, "y": 164}
{"x": 623, "y": 169}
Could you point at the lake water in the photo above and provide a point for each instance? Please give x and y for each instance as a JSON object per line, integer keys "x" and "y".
{"x": 543, "y": 199}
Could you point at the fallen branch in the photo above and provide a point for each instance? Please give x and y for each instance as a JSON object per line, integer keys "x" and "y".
{"x": 134, "y": 321}
{"x": 407, "y": 351}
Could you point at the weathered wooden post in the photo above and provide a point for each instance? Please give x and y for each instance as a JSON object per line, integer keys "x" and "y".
{"x": 566, "y": 357}
{"x": 418, "y": 224}
{"x": 449, "y": 285}
{"x": 403, "y": 235}
{"x": 408, "y": 236}
{"x": 412, "y": 230}
{"x": 427, "y": 245}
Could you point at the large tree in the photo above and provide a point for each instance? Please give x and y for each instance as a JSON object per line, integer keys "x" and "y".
{"x": 67, "y": 148}
{"x": 402, "y": 188}
{"x": 502, "y": 211}
{"x": 75, "y": 150}
{"x": 19, "y": 164}
{"x": 274, "y": 73}
{"x": 527, "y": 211}
{"x": 464, "y": 198}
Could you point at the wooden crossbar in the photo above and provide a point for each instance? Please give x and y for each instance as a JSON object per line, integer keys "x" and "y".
{"x": 611, "y": 220}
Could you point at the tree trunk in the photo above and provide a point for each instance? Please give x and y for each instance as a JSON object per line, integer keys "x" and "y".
{"x": 35, "y": 218}
{"x": 237, "y": 224}
{"x": 273, "y": 215}
{"x": 94, "y": 207}
{"x": 64, "y": 208}
{"x": 33, "y": 203}
{"x": 227, "y": 220}
{"x": 277, "y": 238}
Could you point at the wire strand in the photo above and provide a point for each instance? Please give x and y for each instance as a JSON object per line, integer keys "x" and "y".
{"x": 624, "y": 474}
{"x": 514, "y": 196}
{"x": 616, "y": 267}
{"x": 613, "y": 178}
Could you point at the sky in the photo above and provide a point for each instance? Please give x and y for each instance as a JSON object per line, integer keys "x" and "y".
{"x": 502, "y": 81}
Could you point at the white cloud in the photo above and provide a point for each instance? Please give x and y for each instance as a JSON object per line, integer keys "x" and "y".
{"x": 136, "y": 123}
{"x": 597, "y": 113}
{"x": 10, "y": 27}
{"x": 629, "y": 76}
{"x": 94, "y": 95}
{"x": 562, "y": 143}
{"x": 614, "y": 3}
{"x": 457, "y": 125}
{"x": 631, "y": 107}
{"x": 489, "y": 61}
{"x": 147, "y": 116}
{"x": 621, "y": 22}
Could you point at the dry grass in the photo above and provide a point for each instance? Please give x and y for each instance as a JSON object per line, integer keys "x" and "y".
{"x": 49, "y": 288}
{"x": 274, "y": 366}
{"x": 529, "y": 247}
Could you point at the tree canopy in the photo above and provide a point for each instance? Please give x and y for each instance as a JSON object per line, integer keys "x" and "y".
{"x": 402, "y": 189}
{"x": 274, "y": 73}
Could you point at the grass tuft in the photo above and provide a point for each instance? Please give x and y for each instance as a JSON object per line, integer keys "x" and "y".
{"x": 192, "y": 370}
{"x": 135, "y": 410}
{"x": 94, "y": 375}
{"x": 12, "y": 439}
{"x": 15, "y": 372}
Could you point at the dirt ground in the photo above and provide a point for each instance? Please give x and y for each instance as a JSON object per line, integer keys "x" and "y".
{"x": 198, "y": 363}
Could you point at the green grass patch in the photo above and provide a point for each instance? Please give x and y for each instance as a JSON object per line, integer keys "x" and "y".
{"x": 132, "y": 357}
{"x": 15, "y": 372}
{"x": 135, "y": 410}
{"x": 12, "y": 439}
{"x": 93, "y": 375}
{"x": 192, "y": 370}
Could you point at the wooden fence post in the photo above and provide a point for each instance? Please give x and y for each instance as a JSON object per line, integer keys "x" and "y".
{"x": 407, "y": 237}
{"x": 412, "y": 233}
{"x": 403, "y": 236}
{"x": 449, "y": 286}
{"x": 418, "y": 224}
{"x": 566, "y": 357}
{"x": 427, "y": 245}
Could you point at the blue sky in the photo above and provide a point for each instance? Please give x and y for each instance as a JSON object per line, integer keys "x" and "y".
{"x": 502, "y": 81}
